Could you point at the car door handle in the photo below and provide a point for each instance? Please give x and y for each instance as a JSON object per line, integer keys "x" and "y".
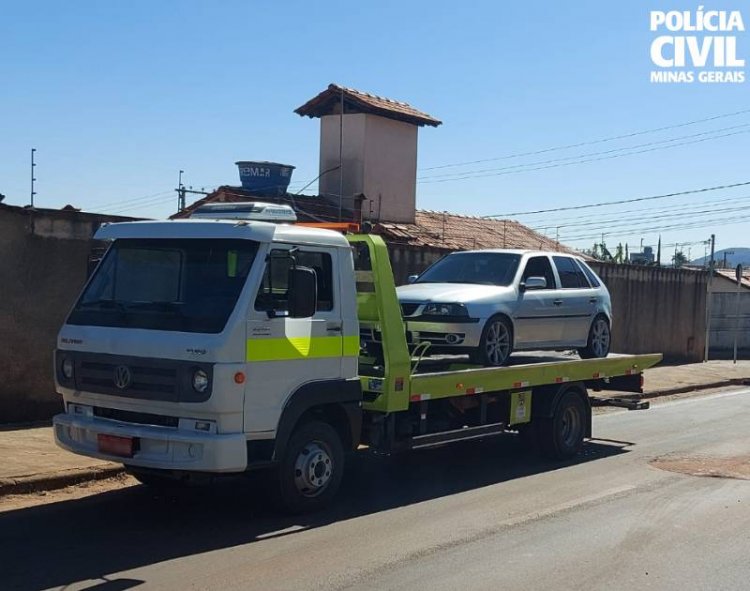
{"x": 333, "y": 328}
{"x": 593, "y": 300}
{"x": 557, "y": 302}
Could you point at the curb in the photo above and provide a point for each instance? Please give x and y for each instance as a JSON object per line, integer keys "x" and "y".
{"x": 56, "y": 480}
{"x": 687, "y": 388}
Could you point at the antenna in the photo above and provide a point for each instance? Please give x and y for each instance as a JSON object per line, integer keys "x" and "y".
{"x": 33, "y": 178}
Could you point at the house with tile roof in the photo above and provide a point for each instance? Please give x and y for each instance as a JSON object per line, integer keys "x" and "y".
{"x": 368, "y": 172}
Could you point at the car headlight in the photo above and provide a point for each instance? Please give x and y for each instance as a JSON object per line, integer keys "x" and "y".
{"x": 445, "y": 310}
{"x": 67, "y": 368}
{"x": 200, "y": 381}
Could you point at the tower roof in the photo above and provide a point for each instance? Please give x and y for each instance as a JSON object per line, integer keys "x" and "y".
{"x": 329, "y": 101}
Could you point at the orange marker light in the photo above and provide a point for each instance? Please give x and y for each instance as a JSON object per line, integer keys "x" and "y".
{"x": 239, "y": 377}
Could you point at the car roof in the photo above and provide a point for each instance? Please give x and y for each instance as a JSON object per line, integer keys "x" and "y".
{"x": 517, "y": 251}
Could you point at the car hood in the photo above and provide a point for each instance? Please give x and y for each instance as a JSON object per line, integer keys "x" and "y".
{"x": 446, "y": 293}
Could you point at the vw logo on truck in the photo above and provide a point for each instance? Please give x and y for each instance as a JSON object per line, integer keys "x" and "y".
{"x": 122, "y": 376}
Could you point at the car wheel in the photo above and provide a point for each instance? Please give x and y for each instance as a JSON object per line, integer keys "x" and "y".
{"x": 600, "y": 338}
{"x": 496, "y": 343}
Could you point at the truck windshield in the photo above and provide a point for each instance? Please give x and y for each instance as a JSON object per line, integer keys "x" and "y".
{"x": 484, "y": 268}
{"x": 165, "y": 284}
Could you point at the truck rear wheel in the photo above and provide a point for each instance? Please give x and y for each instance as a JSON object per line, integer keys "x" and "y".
{"x": 561, "y": 436}
{"x": 309, "y": 473}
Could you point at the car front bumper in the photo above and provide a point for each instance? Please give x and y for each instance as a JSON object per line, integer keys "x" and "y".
{"x": 162, "y": 448}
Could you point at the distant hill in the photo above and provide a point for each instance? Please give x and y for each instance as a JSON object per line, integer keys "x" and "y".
{"x": 740, "y": 256}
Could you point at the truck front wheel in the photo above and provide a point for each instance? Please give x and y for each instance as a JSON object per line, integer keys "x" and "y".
{"x": 309, "y": 473}
{"x": 561, "y": 436}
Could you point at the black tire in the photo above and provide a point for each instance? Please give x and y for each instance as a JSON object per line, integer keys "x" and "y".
{"x": 561, "y": 437}
{"x": 309, "y": 473}
{"x": 599, "y": 341}
{"x": 487, "y": 355}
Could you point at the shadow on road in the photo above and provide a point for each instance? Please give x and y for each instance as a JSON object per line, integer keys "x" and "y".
{"x": 90, "y": 538}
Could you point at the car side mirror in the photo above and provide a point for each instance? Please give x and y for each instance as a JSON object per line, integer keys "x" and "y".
{"x": 303, "y": 292}
{"x": 532, "y": 283}
{"x": 412, "y": 278}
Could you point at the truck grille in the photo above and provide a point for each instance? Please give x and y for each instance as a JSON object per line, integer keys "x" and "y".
{"x": 138, "y": 418}
{"x": 135, "y": 377}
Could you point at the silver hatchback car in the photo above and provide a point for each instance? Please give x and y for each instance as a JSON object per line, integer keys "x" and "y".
{"x": 489, "y": 303}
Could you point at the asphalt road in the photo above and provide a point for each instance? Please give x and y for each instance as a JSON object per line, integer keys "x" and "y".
{"x": 480, "y": 515}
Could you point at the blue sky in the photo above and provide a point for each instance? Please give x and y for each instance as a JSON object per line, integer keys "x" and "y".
{"x": 117, "y": 97}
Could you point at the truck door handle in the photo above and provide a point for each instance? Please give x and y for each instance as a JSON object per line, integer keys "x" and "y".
{"x": 334, "y": 328}
{"x": 557, "y": 302}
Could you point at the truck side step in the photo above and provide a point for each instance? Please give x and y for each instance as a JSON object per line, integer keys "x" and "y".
{"x": 466, "y": 433}
{"x": 629, "y": 403}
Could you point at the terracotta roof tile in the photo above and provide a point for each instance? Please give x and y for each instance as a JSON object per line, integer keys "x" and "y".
{"x": 448, "y": 231}
{"x": 356, "y": 101}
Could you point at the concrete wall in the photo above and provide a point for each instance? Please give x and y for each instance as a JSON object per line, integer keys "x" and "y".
{"x": 379, "y": 160}
{"x": 657, "y": 310}
{"x": 725, "y": 313}
{"x": 42, "y": 268}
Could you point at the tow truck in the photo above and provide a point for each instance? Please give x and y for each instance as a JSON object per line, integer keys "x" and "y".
{"x": 202, "y": 347}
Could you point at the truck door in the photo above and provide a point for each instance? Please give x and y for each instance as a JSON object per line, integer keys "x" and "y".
{"x": 283, "y": 353}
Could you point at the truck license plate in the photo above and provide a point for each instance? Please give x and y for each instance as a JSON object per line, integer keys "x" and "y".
{"x": 115, "y": 445}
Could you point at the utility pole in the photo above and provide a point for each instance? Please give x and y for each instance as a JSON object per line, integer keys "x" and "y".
{"x": 180, "y": 193}
{"x": 33, "y": 178}
{"x": 708, "y": 297}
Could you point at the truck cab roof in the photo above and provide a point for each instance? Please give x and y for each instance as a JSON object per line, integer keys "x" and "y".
{"x": 222, "y": 229}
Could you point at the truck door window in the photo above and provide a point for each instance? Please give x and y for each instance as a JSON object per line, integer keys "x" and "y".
{"x": 274, "y": 288}
{"x": 539, "y": 267}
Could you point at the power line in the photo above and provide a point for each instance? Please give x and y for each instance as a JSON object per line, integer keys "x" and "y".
{"x": 584, "y": 161}
{"x": 578, "y": 156}
{"x": 124, "y": 201}
{"x": 572, "y": 221}
{"x": 619, "y": 201}
{"x": 625, "y": 221}
{"x": 661, "y": 228}
{"x": 588, "y": 143}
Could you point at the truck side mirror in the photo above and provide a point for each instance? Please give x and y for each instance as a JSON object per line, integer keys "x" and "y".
{"x": 534, "y": 283}
{"x": 412, "y": 278}
{"x": 303, "y": 292}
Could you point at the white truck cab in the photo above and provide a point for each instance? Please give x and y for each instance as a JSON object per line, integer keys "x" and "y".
{"x": 196, "y": 342}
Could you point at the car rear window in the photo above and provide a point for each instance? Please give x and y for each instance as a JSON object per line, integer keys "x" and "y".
{"x": 593, "y": 279}
{"x": 571, "y": 276}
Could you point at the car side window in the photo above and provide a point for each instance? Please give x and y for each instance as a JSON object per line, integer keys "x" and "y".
{"x": 274, "y": 287}
{"x": 539, "y": 267}
{"x": 571, "y": 276}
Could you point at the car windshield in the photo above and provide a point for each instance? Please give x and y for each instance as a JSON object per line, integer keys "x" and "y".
{"x": 484, "y": 268}
{"x": 165, "y": 284}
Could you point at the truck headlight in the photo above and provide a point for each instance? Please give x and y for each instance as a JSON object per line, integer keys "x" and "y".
{"x": 445, "y": 310}
{"x": 200, "y": 380}
{"x": 67, "y": 368}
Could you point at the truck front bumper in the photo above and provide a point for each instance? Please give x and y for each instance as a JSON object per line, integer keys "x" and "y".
{"x": 156, "y": 447}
